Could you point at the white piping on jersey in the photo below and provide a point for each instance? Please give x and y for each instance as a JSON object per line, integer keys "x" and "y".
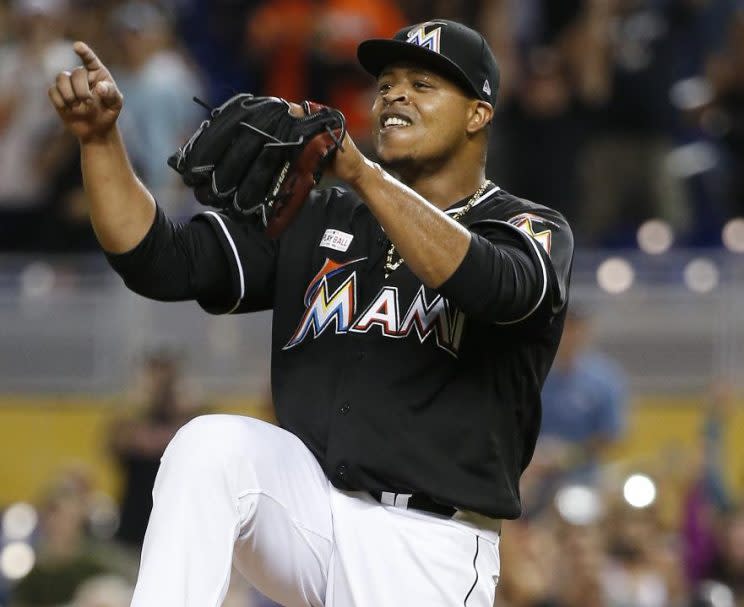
{"x": 237, "y": 258}
{"x": 544, "y": 270}
{"x": 477, "y": 202}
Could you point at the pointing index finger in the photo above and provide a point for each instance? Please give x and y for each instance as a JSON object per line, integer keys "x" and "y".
{"x": 90, "y": 59}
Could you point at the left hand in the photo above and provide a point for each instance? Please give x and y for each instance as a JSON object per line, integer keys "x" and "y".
{"x": 262, "y": 156}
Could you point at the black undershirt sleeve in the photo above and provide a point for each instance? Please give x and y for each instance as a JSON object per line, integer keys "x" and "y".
{"x": 500, "y": 280}
{"x": 176, "y": 262}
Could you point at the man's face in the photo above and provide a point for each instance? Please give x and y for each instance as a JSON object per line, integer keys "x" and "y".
{"x": 418, "y": 116}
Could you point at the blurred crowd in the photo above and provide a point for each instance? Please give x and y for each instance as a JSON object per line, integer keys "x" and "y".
{"x": 612, "y": 111}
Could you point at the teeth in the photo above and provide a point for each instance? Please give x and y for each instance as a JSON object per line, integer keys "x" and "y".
{"x": 395, "y": 121}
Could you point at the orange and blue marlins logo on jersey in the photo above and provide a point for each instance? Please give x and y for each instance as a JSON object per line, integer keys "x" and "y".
{"x": 324, "y": 308}
{"x": 531, "y": 224}
{"x": 430, "y": 39}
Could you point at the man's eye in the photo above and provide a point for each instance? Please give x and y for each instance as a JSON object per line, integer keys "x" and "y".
{"x": 384, "y": 88}
{"x": 420, "y": 84}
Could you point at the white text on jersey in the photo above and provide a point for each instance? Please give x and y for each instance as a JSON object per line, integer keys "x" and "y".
{"x": 323, "y": 309}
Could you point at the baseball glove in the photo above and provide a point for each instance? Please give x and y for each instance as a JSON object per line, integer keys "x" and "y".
{"x": 253, "y": 156}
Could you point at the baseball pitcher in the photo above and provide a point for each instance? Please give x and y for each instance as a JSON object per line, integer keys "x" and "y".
{"x": 416, "y": 312}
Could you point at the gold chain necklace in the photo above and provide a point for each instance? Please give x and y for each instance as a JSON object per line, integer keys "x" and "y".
{"x": 391, "y": 267}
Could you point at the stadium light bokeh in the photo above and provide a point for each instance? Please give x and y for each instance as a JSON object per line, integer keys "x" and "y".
{"x": 701, "y": 275}
{"x": 639, "y": 491}
{"x": 733, "y": 235}
{"x": 578, "y": 504}
{"x": 615, "y": 275}
{"x": 16, "y": 560}
{"x": 655, "y": 237}
{"x": 19, "y": 521}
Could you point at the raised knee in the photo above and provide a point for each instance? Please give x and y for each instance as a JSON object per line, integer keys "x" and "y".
{"x": 207, "y": 437}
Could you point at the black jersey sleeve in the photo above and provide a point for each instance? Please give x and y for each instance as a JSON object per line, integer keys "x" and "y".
{"x": 251, "y": 257}
{"x": 203, "y": 260}
{"x": 514, "y": 268}
{"x": 175, "y": 262}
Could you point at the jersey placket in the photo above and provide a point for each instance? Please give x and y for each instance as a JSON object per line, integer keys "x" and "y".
{"x": 349, "y": 401}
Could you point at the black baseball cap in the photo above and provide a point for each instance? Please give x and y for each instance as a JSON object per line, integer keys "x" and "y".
{"x": 447, "y": 47}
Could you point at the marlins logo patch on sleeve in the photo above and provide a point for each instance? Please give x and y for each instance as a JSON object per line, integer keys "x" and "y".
{"x": 537, "y": 227}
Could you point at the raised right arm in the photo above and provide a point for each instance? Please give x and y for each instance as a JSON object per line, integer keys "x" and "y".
{"x": 157, "y": 258}
{"x": 88, "y": 102}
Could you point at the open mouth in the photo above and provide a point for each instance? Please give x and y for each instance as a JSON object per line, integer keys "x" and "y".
{"x": 394, "y": 121}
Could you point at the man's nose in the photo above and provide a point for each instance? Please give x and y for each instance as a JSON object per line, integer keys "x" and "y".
{"x": 396, "y": 93}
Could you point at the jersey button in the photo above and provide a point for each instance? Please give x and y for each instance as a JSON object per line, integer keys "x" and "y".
{"x": 381, "y": 241}
{"x": 341, "y": 470}
{"x": 361, "y": 355}
{"x": 344, "y": 409}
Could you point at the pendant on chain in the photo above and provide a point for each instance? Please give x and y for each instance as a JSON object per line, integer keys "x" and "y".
{"x": 390, "y": 267}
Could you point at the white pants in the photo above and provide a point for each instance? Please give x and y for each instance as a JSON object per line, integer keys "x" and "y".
{"x": 237, "y": 490}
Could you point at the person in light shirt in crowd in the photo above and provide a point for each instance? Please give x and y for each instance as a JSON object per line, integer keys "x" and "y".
{"x": 585, "y": 399}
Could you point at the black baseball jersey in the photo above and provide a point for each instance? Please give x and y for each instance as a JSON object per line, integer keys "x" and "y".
{"x": 392, "y": 385}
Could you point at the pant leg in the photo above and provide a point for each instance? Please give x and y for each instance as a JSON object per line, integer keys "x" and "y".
{"x": 386, "y": 557}
{"x": 235, "y": 486}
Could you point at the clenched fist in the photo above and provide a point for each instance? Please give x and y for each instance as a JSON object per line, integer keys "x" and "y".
{"x": 87, "y": 99}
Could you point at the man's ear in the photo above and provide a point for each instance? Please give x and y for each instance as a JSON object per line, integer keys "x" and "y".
{"x": 480, "y": 116}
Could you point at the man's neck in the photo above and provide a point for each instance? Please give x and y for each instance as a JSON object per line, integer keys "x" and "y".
{"x": 446, "y": 186}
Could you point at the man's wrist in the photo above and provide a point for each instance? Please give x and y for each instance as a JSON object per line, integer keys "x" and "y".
{"x": 101, "y": 139}
{"x": 365, "y": 176}
{"x": 350, "y": 164}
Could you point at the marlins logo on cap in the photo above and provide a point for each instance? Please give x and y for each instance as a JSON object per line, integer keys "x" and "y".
{"x": 430, "y": 40}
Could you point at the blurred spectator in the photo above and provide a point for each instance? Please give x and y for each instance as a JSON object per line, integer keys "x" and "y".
{"x": 139, "y": 441}
{"x": 64, "y": 223}
{"x": 158, "y": 84}
{"x": 214, "y": 32}
{"x": 555, "y": 76}
{"x": 728, "y": 565}
{"x": 497, "y": 20}
{"x": 308, "y": 51}
{"x": 625, "y": 170}
{"x": 529, "y": 574}
{"x": 86, "y": 20}
{"x": 644, "y": 568}
{"x": 584, "y": 404}
{"x": 539, "y": 133}
{"x": 582, "y": 562}
{"x": 28, "y": 63}
{"x": 711, "y": 537}
{"x": 66, "y": 554}
{"x": 723, "y": 119}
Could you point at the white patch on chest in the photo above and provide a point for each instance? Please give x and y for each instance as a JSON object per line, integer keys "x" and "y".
{"x": 337, "y": 240}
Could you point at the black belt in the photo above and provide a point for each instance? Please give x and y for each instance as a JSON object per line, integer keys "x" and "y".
{"x": 416, "y": 501}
